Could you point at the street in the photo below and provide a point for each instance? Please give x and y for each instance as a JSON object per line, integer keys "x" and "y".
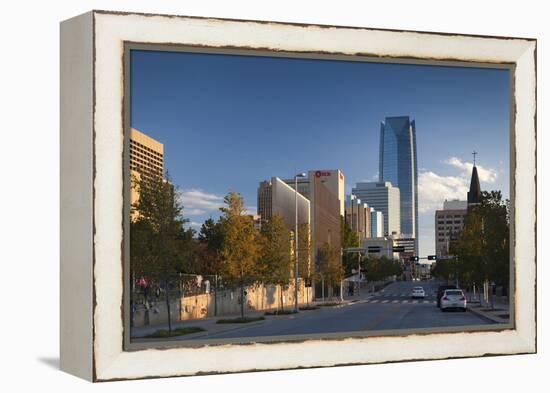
{"x": 391, "y": 308}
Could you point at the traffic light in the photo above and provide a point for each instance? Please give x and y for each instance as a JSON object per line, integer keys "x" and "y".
{"x": 432, "y": 257}
{"x": 414, "y": 258}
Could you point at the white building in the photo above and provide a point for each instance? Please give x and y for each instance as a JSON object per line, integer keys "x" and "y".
{"x": 376, "y": 223}
{"x": 384, "y": 198}
{"x": 386, "y": 245}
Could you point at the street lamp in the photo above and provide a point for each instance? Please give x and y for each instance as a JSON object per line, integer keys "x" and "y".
{"x": 296, "y": 240}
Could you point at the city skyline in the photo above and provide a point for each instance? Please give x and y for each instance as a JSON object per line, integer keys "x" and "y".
{"x": 168, "y": 103}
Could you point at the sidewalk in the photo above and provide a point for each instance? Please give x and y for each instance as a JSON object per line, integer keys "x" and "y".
{"x": 211, "y": 327}
{"x": 497, "y": 310}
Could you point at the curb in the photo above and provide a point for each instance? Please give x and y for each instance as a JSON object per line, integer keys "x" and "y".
{"x": 484, "y": 316}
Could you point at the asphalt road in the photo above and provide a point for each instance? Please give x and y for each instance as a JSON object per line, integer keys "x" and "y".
{"x": 392, "y": 308}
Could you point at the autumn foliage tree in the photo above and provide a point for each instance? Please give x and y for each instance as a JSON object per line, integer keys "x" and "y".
{"x": 275, "y": 254}
{"x": 240, "y": 248}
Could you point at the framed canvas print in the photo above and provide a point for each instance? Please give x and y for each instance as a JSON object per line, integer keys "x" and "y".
{"x": 247, "y": 195}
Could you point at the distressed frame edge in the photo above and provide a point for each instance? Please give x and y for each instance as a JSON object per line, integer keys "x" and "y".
{"x": 76, "y": 196}
{"x": 529, "y": 339}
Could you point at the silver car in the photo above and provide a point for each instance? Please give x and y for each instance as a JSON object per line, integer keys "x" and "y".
{"x": 453, "y": 299}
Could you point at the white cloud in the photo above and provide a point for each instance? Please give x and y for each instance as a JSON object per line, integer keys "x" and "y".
{"x": 197, "y": 202}
{"x": 488, "y": 175}
{"x": 433, "y": 189}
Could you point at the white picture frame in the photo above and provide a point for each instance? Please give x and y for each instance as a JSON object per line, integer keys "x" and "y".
{"x": 92, "y": 182}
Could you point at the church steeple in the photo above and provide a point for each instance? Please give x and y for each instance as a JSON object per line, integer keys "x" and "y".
{"x": 474, "y": 195}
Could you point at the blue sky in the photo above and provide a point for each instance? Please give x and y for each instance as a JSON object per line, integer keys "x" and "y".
{"x": 228, "y": 122}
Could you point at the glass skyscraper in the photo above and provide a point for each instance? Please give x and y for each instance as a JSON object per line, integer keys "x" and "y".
{"x": 398, "y": 165}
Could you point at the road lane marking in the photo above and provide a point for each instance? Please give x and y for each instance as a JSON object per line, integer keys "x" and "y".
{"x": 395, "y": 301}
{"x": 426, "y": 301}
{"x": 385, "y": 301}
{"x": 415, "y": 301}
{"x": 374, "y": 301}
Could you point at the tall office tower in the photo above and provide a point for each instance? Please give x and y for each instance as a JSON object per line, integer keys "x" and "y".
{"x": 277, "y": 197}
{"x": 357, "y": 217}
{"x": 398, "y": 165}
{"x": 383, "y": 197}
{"x": 332, "y": 179}
{"x": 376, "y": 223}
{"x": 449, "y": 223}
{"x": 146, "y": 159}
{"x": 146, "y": 154}
{"x": 265, "y": 206}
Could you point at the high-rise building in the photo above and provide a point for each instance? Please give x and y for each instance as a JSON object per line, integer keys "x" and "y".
{"x": 376, "y": 223}
{"x": 146, "y": 154}
{"x": 449, "y": 222}
{"x": 276, "y": 197}
{"x": 398, "y": 165}
{"x": 332, "y": 179}
{"x": 357, "y": 217}
{"x": 146, "y": 160}
{"x": 325, "y": 191}
{"x": 383, "y": 197}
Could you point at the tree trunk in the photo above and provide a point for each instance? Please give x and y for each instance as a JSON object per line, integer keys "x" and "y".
{"x": 242, "y": 299}
{"x": 281, "y": 297}
{"x": 168, "y": 306}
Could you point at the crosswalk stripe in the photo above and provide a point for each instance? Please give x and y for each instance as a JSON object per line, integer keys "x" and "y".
{"x": 385, "y": 301}
{"x": 395, "y": 301}
{"x": 374, "y": 301}
{"x": 426, "y": 301}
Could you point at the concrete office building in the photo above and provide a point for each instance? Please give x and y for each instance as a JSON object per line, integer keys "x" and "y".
{"x": 384, "y": 198}
{"x": 276, "y": 197}
{"x": 385, "y": 243}
{"x": 325, "y": 191}
{"x": 376, "y": 223}
{"x": 357, "y": 217}
{"x": 398, "y": 165}
{"x": 146, "y": 159}
{"x": 449, "y": 222}
{"x": 333, "y": 179}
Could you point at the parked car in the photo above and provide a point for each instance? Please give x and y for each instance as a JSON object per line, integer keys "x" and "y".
{"x": 440, "y": 290}
{"x": 453, "y": 299}
{"x": 418, "y": 292}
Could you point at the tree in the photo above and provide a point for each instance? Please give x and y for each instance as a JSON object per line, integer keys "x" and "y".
{"x": 482, "y": 249}
{"x": 305, "y": 251}
{"x": 160, "y": 246}
{"x": 348, "y": 238}
{"x": 240, "y": 248}
{"x": 330, "y": 267}
{"x": 380, "y": 268}
{"x": 275, "y": 253}
{"x": 210, "y": 240}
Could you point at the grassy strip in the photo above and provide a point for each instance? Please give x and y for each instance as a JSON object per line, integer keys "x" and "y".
{"x": 240, "y": 320}
{"x": 329, "y": 304}
{"x": 308, "y": 308}
{"x": 163, "y": 333}
{"x": 279, "y": 312}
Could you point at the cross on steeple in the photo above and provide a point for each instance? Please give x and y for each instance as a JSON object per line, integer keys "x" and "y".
{"x": 474, "y": 153}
